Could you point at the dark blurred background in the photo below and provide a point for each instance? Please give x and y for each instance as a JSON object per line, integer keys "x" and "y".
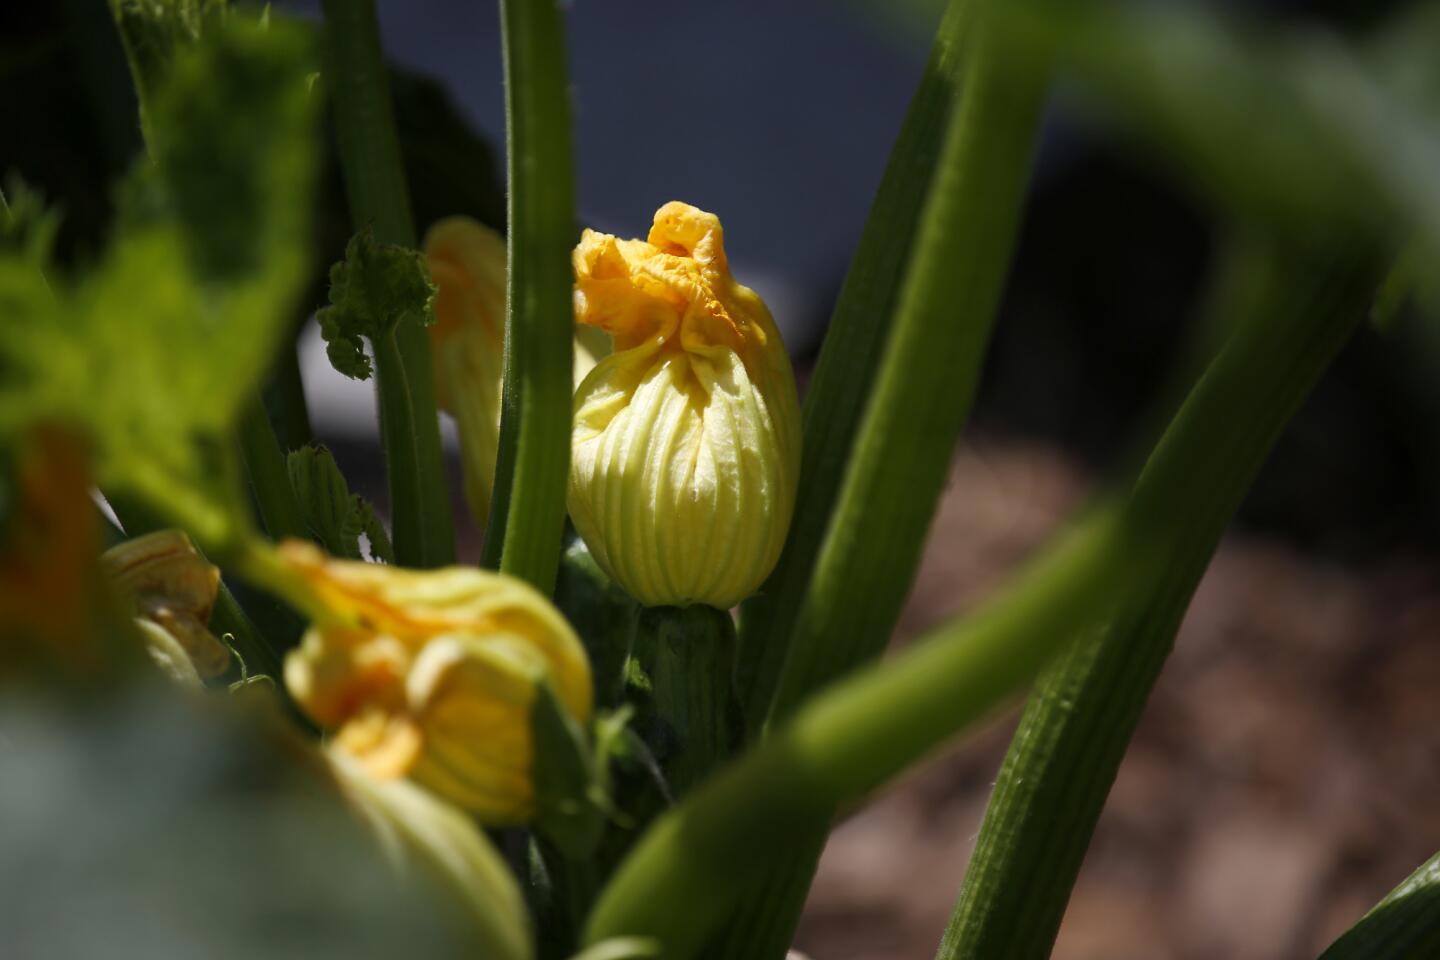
{"x": 1280, "y": 780}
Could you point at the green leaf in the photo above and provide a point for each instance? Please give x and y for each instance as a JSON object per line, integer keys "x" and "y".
{"x": 364, "y": 521}
{"x": 324, "y": 498}
{"x": 153, "y": 351}
{"x": 1288, "y": 127}
{"x": 372, "y": 291}
{"x": 28, "y": 227}
{"x": 155, "y": 31}
{"x": 570, "y": 806}
{"x": 335, "y": 516}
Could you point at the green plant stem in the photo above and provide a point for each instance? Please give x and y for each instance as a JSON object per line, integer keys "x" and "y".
{"x": 1404, "y": 925}
{"x": 679, "y": 677}
{"x": 408, "y": 501}
{"x": 865, "y": 563}
{"x": 685, "y": 874}
{"x": 868, "y": 557}
{"x": 853, "y": 347}
{"x": 284, "y": 398}
{"x": 603, "y": 615}
{"x": 527, "y": 511}
{"x": 269, "y": 477}
{"x": 680, "y": 880}
{"x": 1084, "y": 708}
{"x": 424, "y": 531}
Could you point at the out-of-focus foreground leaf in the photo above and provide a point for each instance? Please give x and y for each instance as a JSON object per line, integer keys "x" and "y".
{"x": 1283, "y": 126}
{"x": 153, "y": 350}
{"x": 147, "y": 826}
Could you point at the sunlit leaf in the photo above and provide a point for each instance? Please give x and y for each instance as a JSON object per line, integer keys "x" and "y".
{"x": 153, "y": 349}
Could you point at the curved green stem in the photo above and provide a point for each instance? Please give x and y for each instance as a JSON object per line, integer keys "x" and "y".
{"x": 685, "y": 874}
{"x": 409, "y": 505}
{"x": 284, "y": 397}
{"x": 424, "y": 531}
{"x": 1084, "y": 708}
{"x": 527, "y": 513}
{"x": 680, "y": 680}
{"x": 851, "y": 354}
{"x": 258, "y": 563}
{"x": 269, "y": 477}
{"x": 835, "y": 599}
{"x": 1405, "y": 924}
{"x": 868, "y": 557}
{"x": 681, "y": 879}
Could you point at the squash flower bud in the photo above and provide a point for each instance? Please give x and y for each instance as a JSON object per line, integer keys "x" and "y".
{"x": 433, "y": 674}
{"x": 685, "y": 450}
{"x": 467, "y": 266}
{"x": 174, "y": 590}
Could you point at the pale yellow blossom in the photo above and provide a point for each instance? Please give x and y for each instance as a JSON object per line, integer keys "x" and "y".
{"x": 686, "y": 441}
{"x": 467, "y": 266}
{"x": 173, "y": 589}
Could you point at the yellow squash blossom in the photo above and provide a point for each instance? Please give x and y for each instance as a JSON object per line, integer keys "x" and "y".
{"x": 431, "y": 675}
{"x": 686, "y": 444}
{"x": 173, "y": 589}
{"x": 467, "y": 266}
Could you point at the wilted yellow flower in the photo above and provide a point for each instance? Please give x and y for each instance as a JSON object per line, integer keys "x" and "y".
{"x": 173, "y": 588}
{"x": 467, "y": 265}
{"x": 431, "y": 675}
{"x": 686, "y": 445}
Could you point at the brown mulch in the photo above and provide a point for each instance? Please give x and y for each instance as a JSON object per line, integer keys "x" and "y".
{"x": 1283, "y": 778}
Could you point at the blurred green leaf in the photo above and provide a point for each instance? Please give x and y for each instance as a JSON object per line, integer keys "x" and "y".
{"x": 154, "y": 32}
{"x": 149, "y": 825}
{"x": 28, "y": 226}
{"x": 1290, "y": 126}
{"x": 156, "y": 347}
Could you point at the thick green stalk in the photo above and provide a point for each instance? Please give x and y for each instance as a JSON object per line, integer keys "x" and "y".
{"x": 864, "y": 565}
{"x": 1084, "y": 708}
{"x": 284, "y": 397}
{"x": 269, "y": 477}
{"x": 1404, "y": 925}
{"x": 849, "y": 357}
{"x": 682, "y": 878}
{"x": 424, "y": 531}
{"x": 408, "y": 500}
{"x": 679, "y": 677}
{"x": 527, "y": 512}
{"x": 603, "y": 615}
{"x": 926, "y": 382}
